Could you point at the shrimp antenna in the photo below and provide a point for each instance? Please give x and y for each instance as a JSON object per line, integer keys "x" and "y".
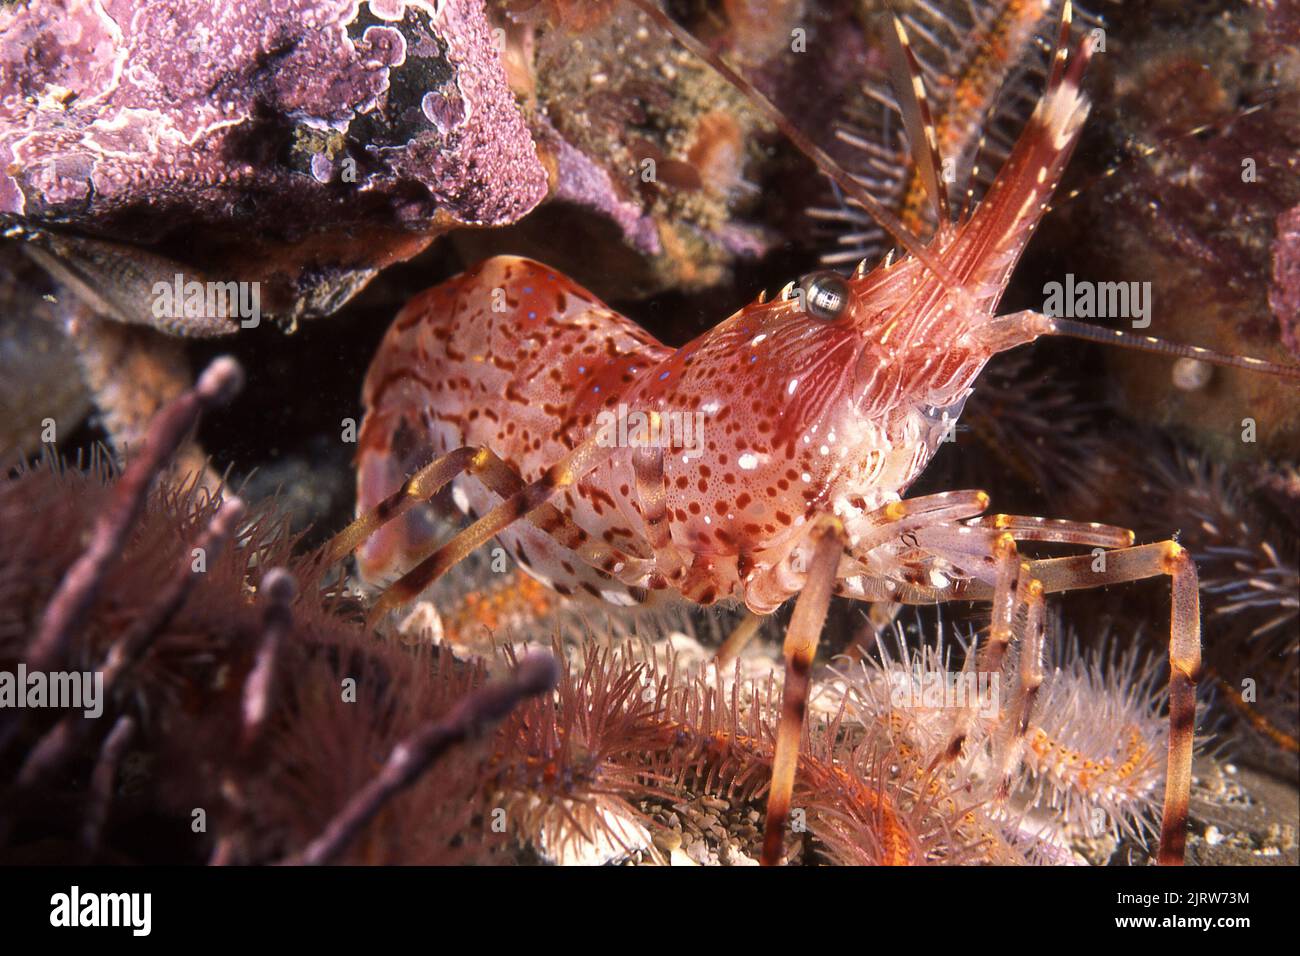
{"x": 918, "y": 120}
{"x": 1144, "y": 343}
{"x": 820, "y": 158}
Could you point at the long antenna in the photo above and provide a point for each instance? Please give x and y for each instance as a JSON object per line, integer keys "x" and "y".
{"x": 887, "y": 220}
{"x": 1145, "y": 343}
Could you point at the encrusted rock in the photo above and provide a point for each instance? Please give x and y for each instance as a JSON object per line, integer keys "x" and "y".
{"x": 282, "y": 121}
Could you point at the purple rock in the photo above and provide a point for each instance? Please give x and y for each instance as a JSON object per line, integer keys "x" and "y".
{"x": 139, "y": 118}
{"x": 579, "y": 180}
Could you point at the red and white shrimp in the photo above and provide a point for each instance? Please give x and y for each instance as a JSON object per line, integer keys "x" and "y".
{"x": 819, "y": 410}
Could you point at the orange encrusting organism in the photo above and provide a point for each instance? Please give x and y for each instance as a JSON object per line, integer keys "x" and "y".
{"x": 513, "y": 599}
{"x": 1064, "y": 761}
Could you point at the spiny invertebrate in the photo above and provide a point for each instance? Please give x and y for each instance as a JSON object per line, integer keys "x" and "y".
{"x": 188, "y": 607}
{"x": 979, "y": 62}
{"x": 1091, "y": 757}
{"x": 821, "y": 407}
{"x": 631, "y": 725}
{"x": 861, "y": 799}
{"x": 410, "y": 758}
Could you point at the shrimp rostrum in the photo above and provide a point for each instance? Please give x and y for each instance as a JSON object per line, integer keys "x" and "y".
{"x": 815, "y": 410}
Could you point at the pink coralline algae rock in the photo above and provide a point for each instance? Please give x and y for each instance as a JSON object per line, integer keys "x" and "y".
{"x": 138, "y": 118}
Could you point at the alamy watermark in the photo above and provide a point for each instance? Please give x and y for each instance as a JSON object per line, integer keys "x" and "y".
{"x": 74, "y": 690}
{"x": 944, "y": 689}
{"x": 675, "y": 431}
{"x": 1098, "y": 300}
{"x": 75, "y": 908}
{"x": 180, "y": 299}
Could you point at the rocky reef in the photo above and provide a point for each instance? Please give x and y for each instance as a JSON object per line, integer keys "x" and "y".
{"x": 341, "y": 156}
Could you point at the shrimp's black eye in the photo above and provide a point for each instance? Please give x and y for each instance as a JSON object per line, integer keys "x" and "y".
{"x": 825, "y": 295}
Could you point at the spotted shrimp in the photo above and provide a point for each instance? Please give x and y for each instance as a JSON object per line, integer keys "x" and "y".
{"x": 821, "y": 406}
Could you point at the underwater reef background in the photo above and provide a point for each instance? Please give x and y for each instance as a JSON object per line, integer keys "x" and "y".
{"x": 347, "y": 155}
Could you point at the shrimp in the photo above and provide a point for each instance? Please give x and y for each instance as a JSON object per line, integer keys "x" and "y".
{"x": 546, "y": 411}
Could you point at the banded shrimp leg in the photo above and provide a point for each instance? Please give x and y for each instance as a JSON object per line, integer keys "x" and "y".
{"x": 943, "y": 526}
{"x": 519, "y": 500}
{"x": 1129, "y": 563}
